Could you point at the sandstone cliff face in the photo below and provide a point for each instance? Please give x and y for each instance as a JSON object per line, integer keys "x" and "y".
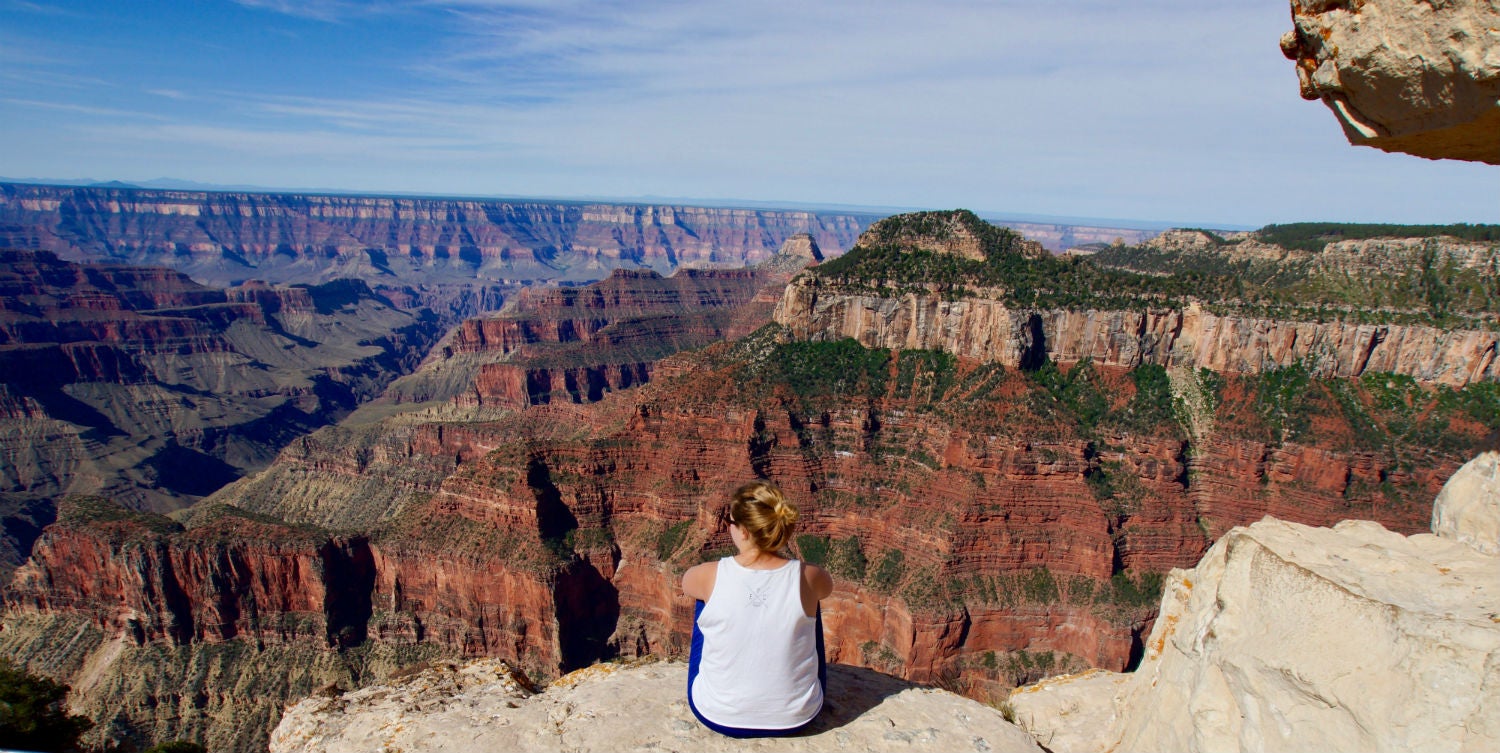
{"x": 987, "y": 525}
{"x": 224, "y": 238}
{"x": 1251, "y": 650}
{"x": 276, "y": 611}
{"x": 1191, "y": 337}
{"x": 1419, "y": 78}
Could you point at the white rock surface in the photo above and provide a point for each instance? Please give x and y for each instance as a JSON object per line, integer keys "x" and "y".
{"x": 1291, "y": 638}
{"x": 480, "y": 706}
{"x": 1468, "y": 507}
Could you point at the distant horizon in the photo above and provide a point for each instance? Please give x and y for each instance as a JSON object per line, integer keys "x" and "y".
{"x": 173, "y": 184}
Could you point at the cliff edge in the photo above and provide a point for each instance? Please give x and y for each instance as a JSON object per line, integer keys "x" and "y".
{"x": 483, "y": 705}
{"x": 1288, "y": 637}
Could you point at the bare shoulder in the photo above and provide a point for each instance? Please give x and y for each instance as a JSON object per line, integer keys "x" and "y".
{"x": 698, "y": 581}
{"x": 818, "y": 581}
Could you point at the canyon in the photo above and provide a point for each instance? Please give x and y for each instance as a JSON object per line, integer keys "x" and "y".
{"x": 988, "y": 521}
{"x": 142, "y": 385}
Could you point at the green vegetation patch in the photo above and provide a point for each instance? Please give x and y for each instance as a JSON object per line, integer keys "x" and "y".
{"x": 671, "y": 539}
{"x": 92, "y": 510}
{"x": 846, "y": 559}
{"x": 821, "y": 373}
{"x": 1313, "y": 236}
{"x": 887, "y": 573}
{"x": 33, "y": 713}
{"x": 892, "y": 260}
{"x": 812, "y": 549}
{"x": 1281, "y": 400}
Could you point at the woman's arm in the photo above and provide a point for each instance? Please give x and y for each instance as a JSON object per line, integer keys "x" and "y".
{"x": 698, "y": 581}
{"x": 817, "y": 584}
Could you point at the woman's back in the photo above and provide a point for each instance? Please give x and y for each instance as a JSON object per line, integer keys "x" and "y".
{"x": 759, "y": 667}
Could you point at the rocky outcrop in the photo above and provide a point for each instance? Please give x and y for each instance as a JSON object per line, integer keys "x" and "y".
{"x": 483, "y": 705}
{"x": 578, "y": 344}
{"x": 986, "y": 525}
{"x": 1190, "y": 337}
{"x": 225, "y": 238}
{"x": 1420, "y": 78}
{"x": 1468, "y": 508}
{"x": 1251, "y": 649}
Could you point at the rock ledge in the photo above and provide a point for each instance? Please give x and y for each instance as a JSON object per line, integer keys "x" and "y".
{"x": 483, "y": 705}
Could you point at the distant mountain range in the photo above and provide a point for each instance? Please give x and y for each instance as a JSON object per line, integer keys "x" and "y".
{"x": 1002, "y": 217}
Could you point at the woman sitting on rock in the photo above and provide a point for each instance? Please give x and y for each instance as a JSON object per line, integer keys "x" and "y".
{"x": 756, "y": 666}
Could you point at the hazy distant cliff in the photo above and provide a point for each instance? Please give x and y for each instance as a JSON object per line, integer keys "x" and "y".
{"x": 228, "y": 237}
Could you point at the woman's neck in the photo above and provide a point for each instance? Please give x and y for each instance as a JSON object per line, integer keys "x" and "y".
{"x": 758, "y": 559}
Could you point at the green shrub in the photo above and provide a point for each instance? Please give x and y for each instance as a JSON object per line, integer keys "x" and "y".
{"x": 670, "y": 539}
{"x": 32, "y": 714}
{"x": 813, "y": 549}
{"x": 1040, "y": 587}
{"x": 889, "y": 571}
{"x": 846, "y": 559}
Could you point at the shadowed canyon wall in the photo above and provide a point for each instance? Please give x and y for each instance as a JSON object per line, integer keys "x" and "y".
{"x": 140, "y": 384}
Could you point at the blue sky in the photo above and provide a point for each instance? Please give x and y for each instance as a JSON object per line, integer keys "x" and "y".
{"x": 1171, "y": 110}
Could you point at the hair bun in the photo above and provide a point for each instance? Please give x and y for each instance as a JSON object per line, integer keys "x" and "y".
{"x": 787, "y": 513}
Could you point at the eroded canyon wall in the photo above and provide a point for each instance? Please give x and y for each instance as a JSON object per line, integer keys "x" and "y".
{"x": 1191, "y": 337}
{"x": 142, "y": 385}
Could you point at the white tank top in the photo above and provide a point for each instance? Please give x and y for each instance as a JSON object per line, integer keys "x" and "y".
{"x": 759, "y": 667}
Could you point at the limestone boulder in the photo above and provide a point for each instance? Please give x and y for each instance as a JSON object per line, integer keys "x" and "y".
{"x": 482, "y": 705}
{"x": 1288, "y": 637}
{"x": 1416, "y": 77}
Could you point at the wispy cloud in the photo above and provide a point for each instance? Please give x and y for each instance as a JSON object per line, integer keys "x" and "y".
{"x": 43, "y": 9}
{"x": 318, "y": 10}
{"x": 104, "y": 112}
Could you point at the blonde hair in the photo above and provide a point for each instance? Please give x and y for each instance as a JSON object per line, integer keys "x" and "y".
{"x": 764, "y": 514}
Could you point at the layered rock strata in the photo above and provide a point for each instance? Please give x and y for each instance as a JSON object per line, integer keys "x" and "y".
{"x": 1251, "y": 649}
{"x": 1419, "y": 78}
{"x": 224, "y": 238}
{"x": 1190, "y": 337}
{"x": 577, "y": 344}
{"x": 141, "y": 384}
{"x": 986, "y": 525}
{"x": 483, "y": 706}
